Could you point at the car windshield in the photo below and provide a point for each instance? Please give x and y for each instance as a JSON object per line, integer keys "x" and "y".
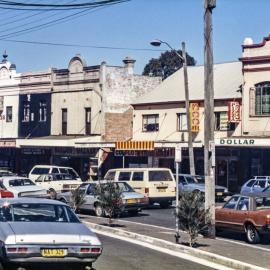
{"x": 35, "y": 212}
{"x": 191, "y": 180}
{"x": 200, "y": 179}
{"x": 123, "y": 186}
{"x": 20, "y": 182}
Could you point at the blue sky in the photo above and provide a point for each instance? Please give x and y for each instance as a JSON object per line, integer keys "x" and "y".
{"x": 134, "y": 24}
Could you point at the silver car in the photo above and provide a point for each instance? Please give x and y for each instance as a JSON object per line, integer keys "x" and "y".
{"x": 37, "y": 231}
{"x": 132, "y": 201}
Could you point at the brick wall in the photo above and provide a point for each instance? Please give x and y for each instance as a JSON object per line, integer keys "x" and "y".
{"x": 118, "y": 126}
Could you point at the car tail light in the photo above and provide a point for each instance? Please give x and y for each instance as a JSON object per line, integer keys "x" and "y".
{"x": 22, "y": 250}
{"x": 268, "y": 220}
{"x": 6, "y": 194}
{"x": 146, "y": 190}
{"x": 91, "y": 250}
{"x": 11, "y": 250}
{"x": 85, "y": 250}
{"x": 96, "y": 250}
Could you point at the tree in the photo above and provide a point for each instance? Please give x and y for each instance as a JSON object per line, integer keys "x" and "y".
{"x": 166, "y": 64}
{"x": 193, "y": 218}
{"x": 109, "y": 195}
{"x": 77, "y": 198}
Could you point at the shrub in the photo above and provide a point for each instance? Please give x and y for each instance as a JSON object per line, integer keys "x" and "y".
{"x": 77, "y": 198}
{"x": 193, "y": 218}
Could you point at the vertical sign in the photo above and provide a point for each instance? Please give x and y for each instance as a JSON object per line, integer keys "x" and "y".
{"x": 234, "y": 112}
{"x": 194, "y": 112}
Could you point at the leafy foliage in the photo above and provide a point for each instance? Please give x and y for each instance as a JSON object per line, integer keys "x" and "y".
{"x": 110, "y": 197}
{"x": 193, "y": 218}
{"x": 77, "y": 198}
{"x": 166, "y": 64}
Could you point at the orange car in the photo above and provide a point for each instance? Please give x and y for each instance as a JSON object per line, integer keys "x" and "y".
{"x": 247, "y": 214}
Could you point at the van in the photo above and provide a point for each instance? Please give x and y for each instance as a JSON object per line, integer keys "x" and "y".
{"x": 39, "y": 170}
{"x": 157, "y": 184}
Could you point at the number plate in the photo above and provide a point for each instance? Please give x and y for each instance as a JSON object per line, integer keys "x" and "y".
{"x": 161, "y": 189}
{"x": 53, "y": 252}
{"x": 219, "y": 193}
{"x": 131, "y": 201}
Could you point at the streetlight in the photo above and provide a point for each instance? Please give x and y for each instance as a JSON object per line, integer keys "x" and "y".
{"x": 183, "y": 58}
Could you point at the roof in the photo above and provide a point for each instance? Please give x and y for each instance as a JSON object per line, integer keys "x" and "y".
{"x": 227, "y": 80}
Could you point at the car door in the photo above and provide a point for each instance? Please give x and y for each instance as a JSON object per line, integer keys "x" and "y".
{"x": 137, "y": 180}
{"x": 90, "y": 197}
{"x": 224, "y": 216}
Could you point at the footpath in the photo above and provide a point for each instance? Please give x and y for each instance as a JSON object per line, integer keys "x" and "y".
{"x": 231, "y": 254}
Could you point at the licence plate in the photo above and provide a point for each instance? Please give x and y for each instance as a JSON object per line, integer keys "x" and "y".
{"x": 161, "y": 189}
{"x": 219, "y": 193}
{"x": 131, "y": 201}
{"x": 53, "y": 252}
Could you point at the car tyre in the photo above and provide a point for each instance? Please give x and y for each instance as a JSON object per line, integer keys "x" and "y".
{"x": 253, "y": 236}
{"x": 164, "y": 205}
{"x": 99, "y": 210}
{"x": 52, "y": 194}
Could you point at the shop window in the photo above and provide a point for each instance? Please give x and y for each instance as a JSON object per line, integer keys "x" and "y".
{"x": 222, "y": 122}
{"x": 181, "y": 122}
{"x": 26, "y": 112}
{"x": 42, "y": 111}
{"x": 150, "y": 122}
{"x": 262, "y": 99}
{"x": 87, "y": 121}
{"x": 9, "y": 114}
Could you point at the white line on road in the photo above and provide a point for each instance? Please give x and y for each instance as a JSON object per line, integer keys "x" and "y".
{"x": 166, "y": 251}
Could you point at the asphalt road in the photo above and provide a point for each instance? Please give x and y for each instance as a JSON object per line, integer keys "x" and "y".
{"x": 122, "y": 255}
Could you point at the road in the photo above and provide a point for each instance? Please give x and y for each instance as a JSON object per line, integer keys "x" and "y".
{"x": 121, "y": 255}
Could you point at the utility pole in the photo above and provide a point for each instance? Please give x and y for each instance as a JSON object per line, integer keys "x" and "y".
{"x": 190, "y": 139}
{"x": 209, "y": 120}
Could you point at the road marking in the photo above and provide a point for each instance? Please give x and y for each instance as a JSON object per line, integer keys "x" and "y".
{"x": 169, "y": 229}
{"x": 166, "y": 251}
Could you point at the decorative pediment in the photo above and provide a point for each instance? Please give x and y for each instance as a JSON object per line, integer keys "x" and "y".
{"x": 76, "y": 64}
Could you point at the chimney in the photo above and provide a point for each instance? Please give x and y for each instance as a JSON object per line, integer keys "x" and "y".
{"x": 129, "y": 65}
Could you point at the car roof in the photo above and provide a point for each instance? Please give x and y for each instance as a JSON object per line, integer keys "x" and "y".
{"x": 12, "y": 177}
{"x": 139, "y": 169}
{"x": 30, "y": 200}
{"x": 52, "y": 166}
{"x": 102, "y": 182}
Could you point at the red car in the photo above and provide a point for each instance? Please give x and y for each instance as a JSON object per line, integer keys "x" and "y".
{"x": 247, "y": 214}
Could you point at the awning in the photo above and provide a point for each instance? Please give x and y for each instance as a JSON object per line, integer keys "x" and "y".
{"x": 135, "y": 145}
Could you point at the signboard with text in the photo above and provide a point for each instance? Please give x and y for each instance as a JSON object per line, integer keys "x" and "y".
{"x": 234, "y": 112}
{"x": 194, "y": 112}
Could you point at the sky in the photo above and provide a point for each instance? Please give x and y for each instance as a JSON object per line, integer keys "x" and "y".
{"x": 134, "y": 24}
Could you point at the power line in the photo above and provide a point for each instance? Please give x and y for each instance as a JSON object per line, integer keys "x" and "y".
{"x": 80, "y": 45}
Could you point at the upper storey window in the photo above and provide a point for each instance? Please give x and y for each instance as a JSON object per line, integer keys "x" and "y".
{"x": 262, "y": 99}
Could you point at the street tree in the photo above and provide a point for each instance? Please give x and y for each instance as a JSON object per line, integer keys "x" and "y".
{"x": 192, "y": 215}
{"x": 167, "y": 63}
{"x": 109, "y": 195}
{"x": 77, "y": 198}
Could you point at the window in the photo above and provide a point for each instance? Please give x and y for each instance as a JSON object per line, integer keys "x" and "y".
{"x": 20, "y": 182}
{"x": 64, "y": 121}
{"x": 222, "y": 122}
{"x": 42, "y": 111}
{"x": 262, "y": 99}
{"x": 26, "y": 112}
{"x": 181, "y": 122}
{"x": 159, "y": 176}
{"x": 243, "y": 204}
{"x": 137, "y": 176}
{"x": 260, "y": 184}
{"x": 40, "y": 171}
{"x": 9, "y": 114}
{"x": 150, "y": 122}
{"x": 110, "y": 175}
{"x": 182, "y": 180}
{"x": 55, "y": 170}
{"x": 251, "y": 183}
{"x": 231, "y": 204}
{"x": 87, "y": 121}
{"x": 124, "y": 176}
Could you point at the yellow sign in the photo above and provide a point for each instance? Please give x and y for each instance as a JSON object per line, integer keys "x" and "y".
{"x": 135, "y": 145}
{"x": 194, "y": 114}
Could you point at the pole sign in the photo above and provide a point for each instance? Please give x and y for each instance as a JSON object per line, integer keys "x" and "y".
{"x": 234, "y": 112}
{"x": 178, "y": 153}
{"x": 194, "y": 112}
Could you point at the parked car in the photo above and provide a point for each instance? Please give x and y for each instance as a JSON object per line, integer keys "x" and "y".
{"x": 256, "y": 184}
{"x": 157, "y": 184}
{"x": 40, "y": 231}
{"x": 55, "y": 183}
{"x": 189, "y": 183}
{"x": 132, "y": 201}
{"x": 38, "y": 170}
{"x": 17, "y": 186}
{"x": 4, "y": 172}
{"x": 247, "y": 214}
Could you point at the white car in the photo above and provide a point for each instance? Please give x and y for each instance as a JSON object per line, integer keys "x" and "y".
{"x": 17, "y": 186}
{"x": 56, "y": 183}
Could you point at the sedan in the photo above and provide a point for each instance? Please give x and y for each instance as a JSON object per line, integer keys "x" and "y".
{"x": 41, "y": 231}
{"x": 17, "y": 186}
{"x": 132, "y": 201}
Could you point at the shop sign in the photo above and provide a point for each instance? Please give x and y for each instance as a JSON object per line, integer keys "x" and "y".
{"x": 234, "y": 142}
{"x": 234, "y": 112}
{"x": 194, "y": 112}
{"x": 7, "y": 143}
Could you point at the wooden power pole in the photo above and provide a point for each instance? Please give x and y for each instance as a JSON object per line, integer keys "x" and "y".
{"x": 209, "y": 120}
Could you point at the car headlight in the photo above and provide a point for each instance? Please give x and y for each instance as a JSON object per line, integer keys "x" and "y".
{"x": 225, "y": 190}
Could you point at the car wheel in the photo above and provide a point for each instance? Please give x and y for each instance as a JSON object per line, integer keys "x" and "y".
{"x": 52, "y": 194}
{"x": 133, "y": 212}
{"x": 164, "y": 204}
{"x": 253, "y": 236}
{"x": 99, "y": 210}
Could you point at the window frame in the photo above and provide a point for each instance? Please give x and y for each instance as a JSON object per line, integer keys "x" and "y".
{"x": 42, "y": 112}
{"x": 230, "y": 126}
{"x": 179, "y": 122}
{"x": 146, "y": 117}
{"x": 26, "y": 112}
{"x": 9, "y": 109}
{"x": 260, "y": 87}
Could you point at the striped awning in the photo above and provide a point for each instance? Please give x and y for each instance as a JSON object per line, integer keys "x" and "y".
{"x": 135, "y": 145}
